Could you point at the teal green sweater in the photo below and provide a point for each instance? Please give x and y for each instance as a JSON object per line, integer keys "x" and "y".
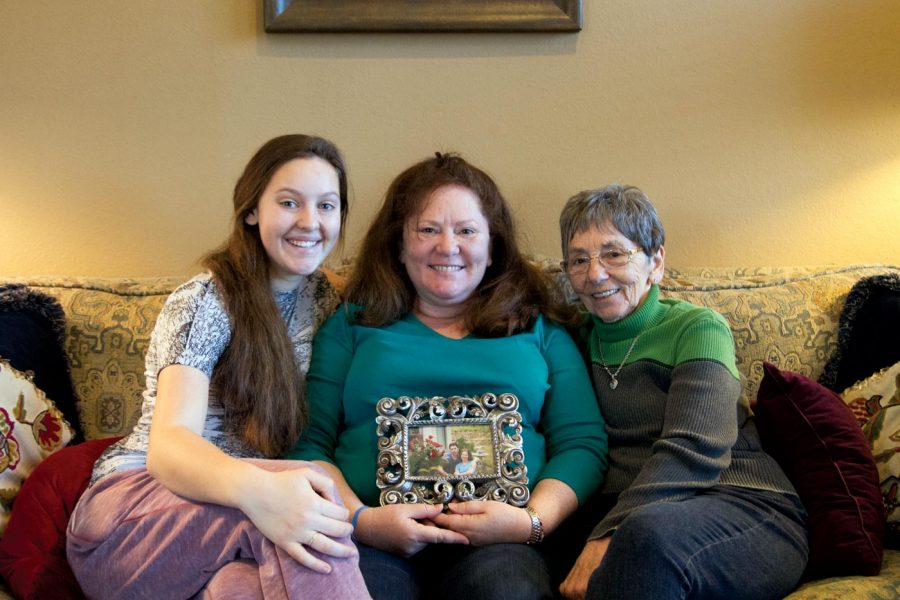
{"x": 675, "y": 423}
{"x": 354, "y": 366}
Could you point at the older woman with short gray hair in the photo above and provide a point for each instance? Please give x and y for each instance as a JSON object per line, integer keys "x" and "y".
{"x": 690, "y": 498}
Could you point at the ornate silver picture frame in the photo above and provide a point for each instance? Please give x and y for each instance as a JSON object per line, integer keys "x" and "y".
{"x": 439, "y": 449}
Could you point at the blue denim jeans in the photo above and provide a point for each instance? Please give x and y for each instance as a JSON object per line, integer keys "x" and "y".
{"x": 457, "y": 572}
{"x": 727, "y": 542}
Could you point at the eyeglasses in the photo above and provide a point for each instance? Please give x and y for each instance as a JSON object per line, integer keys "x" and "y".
{"x": 613, "y": 258}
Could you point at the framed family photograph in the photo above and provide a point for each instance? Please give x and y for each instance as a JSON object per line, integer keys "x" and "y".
{"x": 452, "y": 450}
{"x": 421, "y": 16}
{"x": 441, "y": 449}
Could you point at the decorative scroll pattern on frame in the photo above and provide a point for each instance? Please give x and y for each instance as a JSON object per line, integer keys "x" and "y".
{"x": 413, "y": 468}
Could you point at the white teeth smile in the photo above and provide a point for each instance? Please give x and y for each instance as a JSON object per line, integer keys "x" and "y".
{"x": 606, "y": 294}
{"x": 303, "y": 243}
{"x": 446, "y": 268}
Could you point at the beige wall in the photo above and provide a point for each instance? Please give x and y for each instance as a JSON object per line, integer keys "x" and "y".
{"x": 766, "y": 132}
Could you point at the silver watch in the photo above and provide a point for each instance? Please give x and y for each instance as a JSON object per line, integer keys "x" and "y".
{"x": 537, "y": 528}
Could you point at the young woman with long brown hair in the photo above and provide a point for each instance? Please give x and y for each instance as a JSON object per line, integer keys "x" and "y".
{"x": 189, "y": 503}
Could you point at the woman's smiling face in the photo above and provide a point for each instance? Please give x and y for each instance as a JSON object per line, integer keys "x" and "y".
{"x": 447, "y": 247}
{"x": 612, "y": 294}
{"x": 299, "y": 219}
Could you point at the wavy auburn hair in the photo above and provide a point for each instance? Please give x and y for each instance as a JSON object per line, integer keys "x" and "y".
{"x": 512, "y": 292}
{"x": 257, "y": 378}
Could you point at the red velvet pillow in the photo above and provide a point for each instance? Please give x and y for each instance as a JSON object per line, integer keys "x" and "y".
{"x": 33, "y": 548}
{"x": 817, "y": 440}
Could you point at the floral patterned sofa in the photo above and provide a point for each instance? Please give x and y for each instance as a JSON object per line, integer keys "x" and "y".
{"x": 784, "y": 316}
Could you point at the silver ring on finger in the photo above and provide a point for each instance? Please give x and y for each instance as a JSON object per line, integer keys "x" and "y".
{"x": 312, "y": 538}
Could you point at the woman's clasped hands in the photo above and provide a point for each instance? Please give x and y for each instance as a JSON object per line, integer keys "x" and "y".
{"x": 488, "y": 522}
{"x": 405, "y": 529}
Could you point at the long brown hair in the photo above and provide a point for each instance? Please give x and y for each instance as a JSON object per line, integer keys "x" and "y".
{"x": 512, "y": 292}
{"x": 257, "y": 378}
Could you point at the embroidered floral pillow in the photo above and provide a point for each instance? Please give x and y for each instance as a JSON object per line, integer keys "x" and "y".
{"x": 31, "y": 428}
{"x": 876, "y": 403}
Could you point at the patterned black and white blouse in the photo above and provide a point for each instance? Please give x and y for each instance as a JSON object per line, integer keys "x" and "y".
{"x": 193, "y": 329}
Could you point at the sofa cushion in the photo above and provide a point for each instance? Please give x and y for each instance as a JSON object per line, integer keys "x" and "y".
{"x": 31, "y": 428}
{"x": 876, "y": 403}
{"x": 33, "y": 550}
{"x": 816, "y": 439}
{"x": 787, "y": 317}
{"x": 108, "y": 328}
{"x": 884, "y": 585}
{"x": 784, "y": 315}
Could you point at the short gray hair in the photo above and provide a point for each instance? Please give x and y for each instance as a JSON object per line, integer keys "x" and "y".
{"x": 626, "y": 207}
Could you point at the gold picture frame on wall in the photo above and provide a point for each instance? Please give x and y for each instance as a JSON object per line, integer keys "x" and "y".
{"x": 421, "y": 16}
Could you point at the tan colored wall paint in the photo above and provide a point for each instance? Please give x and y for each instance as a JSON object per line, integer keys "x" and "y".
{"x": 766, "y": 132}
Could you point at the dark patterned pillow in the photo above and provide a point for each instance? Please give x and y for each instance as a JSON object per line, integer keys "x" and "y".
{"x": 871, "y": 317}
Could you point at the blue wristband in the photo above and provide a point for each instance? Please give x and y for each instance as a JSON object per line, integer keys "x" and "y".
{"x": 355, "y": 519}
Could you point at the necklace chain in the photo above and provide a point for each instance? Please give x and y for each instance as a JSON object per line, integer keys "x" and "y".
{"x": 613, "y": 381}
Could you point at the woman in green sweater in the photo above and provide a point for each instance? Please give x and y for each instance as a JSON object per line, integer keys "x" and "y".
{"x": 691, "y": 506}
{"x": 444, "y": 304}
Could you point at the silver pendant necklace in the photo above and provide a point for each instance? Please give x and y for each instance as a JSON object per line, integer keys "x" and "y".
{"x": 613, "y": 381}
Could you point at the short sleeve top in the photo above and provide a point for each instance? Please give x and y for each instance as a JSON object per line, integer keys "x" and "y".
{"x": 193, "y": 329}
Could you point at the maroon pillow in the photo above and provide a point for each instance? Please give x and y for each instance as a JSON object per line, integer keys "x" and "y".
{"x": 33, "y": 548}
{"x": 817, "y": 440}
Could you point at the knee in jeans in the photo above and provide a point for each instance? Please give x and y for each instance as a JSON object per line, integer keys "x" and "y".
{"x": 536, "y": 586}
{"x": 518, "y": 587}
{"x": 521, "y": 587}
{"x": 502, "y": 571}
{"x": 643, "y": 529}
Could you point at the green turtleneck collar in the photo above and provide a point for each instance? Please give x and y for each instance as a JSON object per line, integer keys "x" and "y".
{"x": 648, "y": 313}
